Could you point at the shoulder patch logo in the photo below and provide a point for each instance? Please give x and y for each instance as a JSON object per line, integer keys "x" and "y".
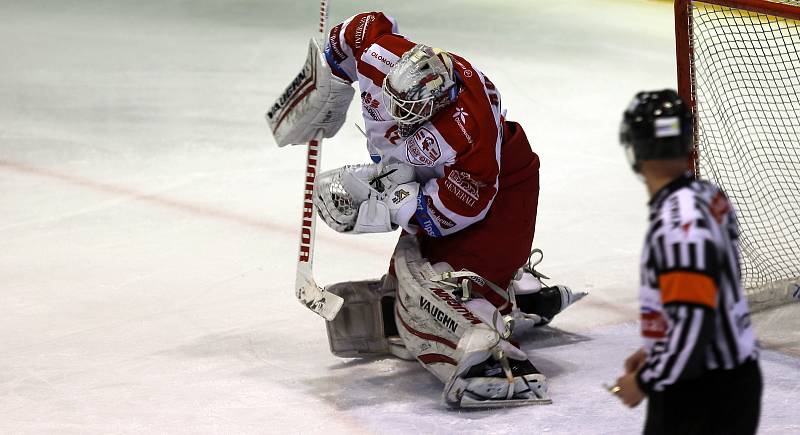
{"x": 422, "y": 148}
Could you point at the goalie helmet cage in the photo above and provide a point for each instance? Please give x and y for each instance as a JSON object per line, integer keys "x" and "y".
{"x": 739, "y": 69}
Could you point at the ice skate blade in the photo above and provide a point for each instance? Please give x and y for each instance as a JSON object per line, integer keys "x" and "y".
{"x": 455, "y": 396}
{"x": 470, "y": 403}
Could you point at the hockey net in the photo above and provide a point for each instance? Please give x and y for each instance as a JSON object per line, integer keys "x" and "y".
{"x": 739, "y": 67}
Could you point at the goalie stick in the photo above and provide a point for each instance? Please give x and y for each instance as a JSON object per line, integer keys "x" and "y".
{"x": 307, "y": 291}
{"x": 317, "y": 299}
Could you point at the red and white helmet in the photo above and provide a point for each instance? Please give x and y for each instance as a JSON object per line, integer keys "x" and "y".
{"x": 418, "y": 85}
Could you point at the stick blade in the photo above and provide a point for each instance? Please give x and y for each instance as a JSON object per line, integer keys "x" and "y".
{"x": 318, "y": 300}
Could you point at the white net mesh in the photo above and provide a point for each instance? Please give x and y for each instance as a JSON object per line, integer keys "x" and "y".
{"x": 746, "y": 69}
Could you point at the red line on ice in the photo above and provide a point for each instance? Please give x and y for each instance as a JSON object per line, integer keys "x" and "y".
{"x": 184, "y": 206}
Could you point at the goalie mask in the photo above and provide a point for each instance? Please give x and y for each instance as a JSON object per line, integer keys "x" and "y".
{"x": 418, "y": 86}
{"x": 657, "y": 125}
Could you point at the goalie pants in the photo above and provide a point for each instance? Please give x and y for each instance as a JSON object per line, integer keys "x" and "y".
{"x": 719, "y": 402}
{"x": 497, "y": 246}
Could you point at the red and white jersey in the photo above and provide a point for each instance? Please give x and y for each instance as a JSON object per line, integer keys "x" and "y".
{"x": 456, "y": 154}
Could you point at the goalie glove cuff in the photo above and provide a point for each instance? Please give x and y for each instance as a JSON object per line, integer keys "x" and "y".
{"x": 402, "y": 202}
{"x": 385, "y": 212}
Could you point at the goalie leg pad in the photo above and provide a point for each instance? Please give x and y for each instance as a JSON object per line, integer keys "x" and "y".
{"x": 452, "y": 341}
{"x": 365, "y": 325}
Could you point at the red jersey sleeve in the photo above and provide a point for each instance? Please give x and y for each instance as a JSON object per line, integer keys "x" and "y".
{"x": 348, "y": 40}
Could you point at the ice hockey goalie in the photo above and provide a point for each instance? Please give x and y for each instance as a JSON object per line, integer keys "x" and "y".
{"x": 460, "y": 180}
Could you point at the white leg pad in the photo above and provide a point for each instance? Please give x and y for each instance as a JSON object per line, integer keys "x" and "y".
{"x": 454, "y": 339}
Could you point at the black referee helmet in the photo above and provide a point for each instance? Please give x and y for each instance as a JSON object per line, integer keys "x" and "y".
{"x": 657, "y": 125}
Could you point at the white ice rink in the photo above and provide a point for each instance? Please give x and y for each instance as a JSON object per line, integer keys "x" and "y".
{"x": 148, "y": 222}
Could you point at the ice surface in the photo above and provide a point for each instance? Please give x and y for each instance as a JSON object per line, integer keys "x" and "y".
{"x": 149, "y": 223}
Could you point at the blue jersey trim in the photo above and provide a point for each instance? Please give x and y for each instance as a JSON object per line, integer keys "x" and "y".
{"x": 424, "y": 218}
{"x": 332, "y": 62}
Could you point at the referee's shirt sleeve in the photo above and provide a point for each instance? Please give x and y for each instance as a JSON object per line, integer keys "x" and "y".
{"x": 689, "y": 296}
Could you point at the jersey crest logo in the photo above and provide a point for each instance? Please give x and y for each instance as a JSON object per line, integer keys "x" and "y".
{"x": 422, "y": 148}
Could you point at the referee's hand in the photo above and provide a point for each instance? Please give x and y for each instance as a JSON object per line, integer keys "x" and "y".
{"x": 628, "y": 390}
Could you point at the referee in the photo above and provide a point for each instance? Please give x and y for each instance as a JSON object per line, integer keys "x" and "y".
{"x": 698, "y": 367}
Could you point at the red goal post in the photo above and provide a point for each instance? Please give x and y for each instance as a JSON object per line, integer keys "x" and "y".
{"x": 739, "y": 69}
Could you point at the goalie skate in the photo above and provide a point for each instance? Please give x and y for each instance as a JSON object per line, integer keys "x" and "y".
{"x": 497, "y": 384}
{"x": 532, "y": 300}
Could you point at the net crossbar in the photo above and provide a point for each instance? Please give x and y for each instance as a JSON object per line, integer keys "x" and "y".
{"x": 739, "y": 67}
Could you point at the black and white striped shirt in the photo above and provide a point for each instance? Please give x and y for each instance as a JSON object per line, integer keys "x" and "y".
{"x": 694, "y": 314}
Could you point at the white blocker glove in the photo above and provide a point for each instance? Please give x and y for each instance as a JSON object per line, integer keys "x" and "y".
{"x": 387, "y": 197}
{"x": 315, "y": 101}
{"x": 384, "y": 212}
{"x": 368, "y": 198}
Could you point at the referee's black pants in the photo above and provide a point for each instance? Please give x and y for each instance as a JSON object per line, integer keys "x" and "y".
{"x": 719, "y": 402}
